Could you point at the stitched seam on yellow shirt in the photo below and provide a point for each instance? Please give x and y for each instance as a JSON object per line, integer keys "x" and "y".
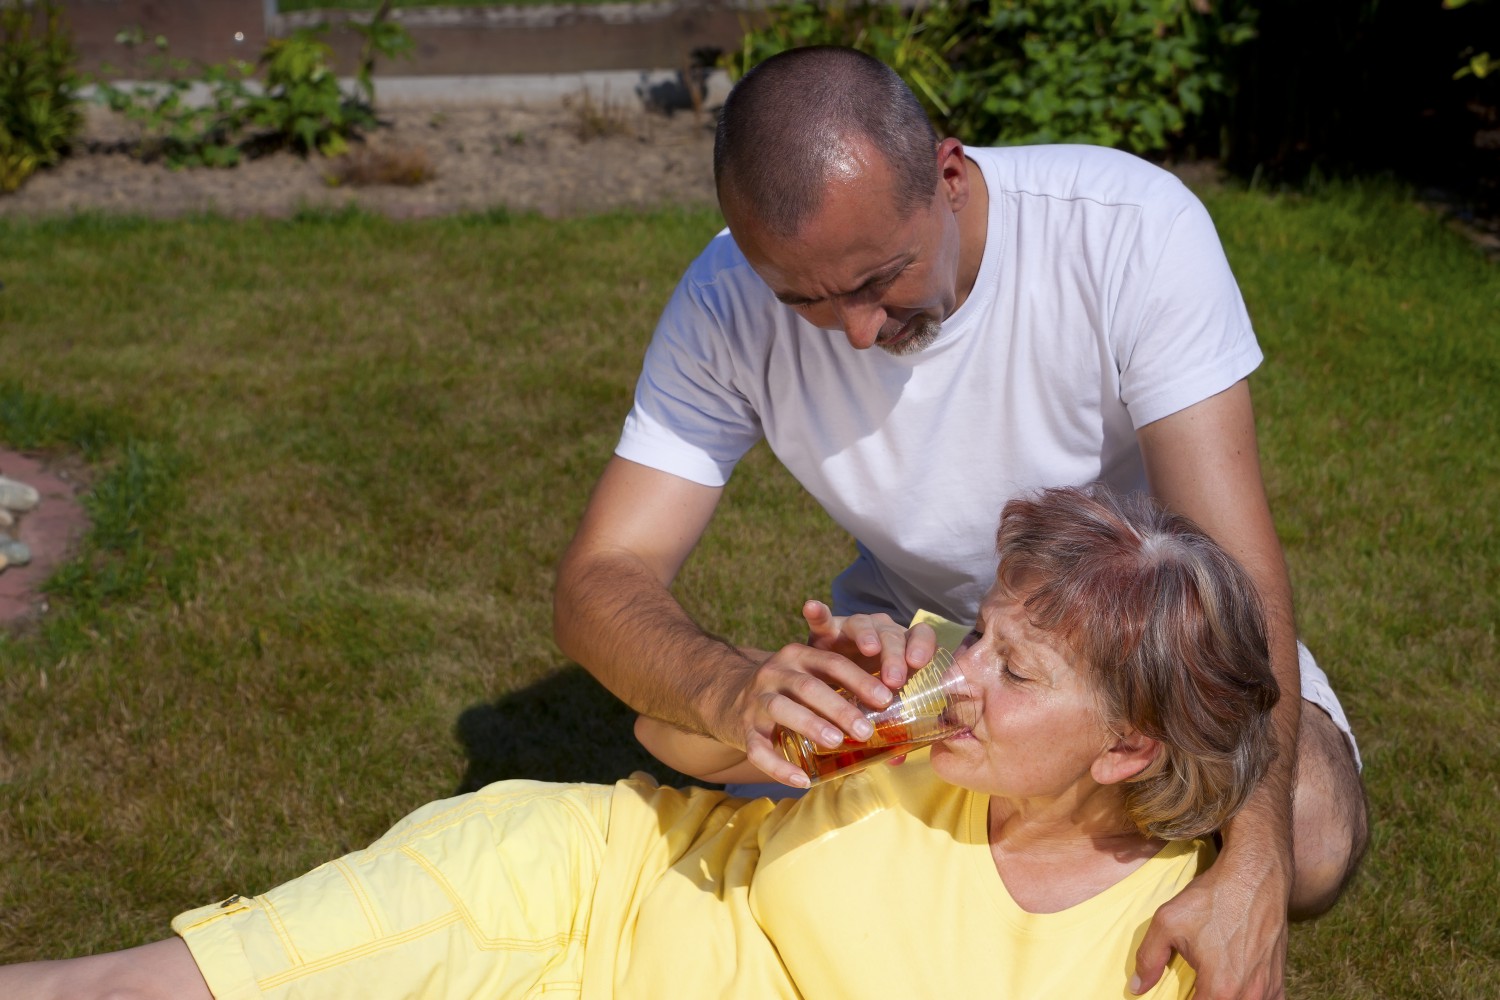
{"x": 481, "y": 939}
{"x": 352, "y": 954}
{"x": 590, "y": 823}
{"x": 360, "y": 896}
{"x": 274, "y": 919}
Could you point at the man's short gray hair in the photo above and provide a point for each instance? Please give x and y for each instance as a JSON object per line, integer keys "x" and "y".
{"x": 785, "y": 123}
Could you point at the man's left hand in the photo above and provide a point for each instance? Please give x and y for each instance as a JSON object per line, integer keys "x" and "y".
{"x": 1230, "y": 925}
{"x": 875, "y": 642}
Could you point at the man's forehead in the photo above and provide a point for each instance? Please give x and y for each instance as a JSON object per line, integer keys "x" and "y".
{"x": 838, "y": 259}
{"x": 845, "y": 269}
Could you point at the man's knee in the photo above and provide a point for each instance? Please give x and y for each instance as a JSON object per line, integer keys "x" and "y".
{"x": 1330, "y": 824}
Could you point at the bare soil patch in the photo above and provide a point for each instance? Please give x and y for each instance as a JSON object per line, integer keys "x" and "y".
{"x": 558, "y": 158}
{"x": 51, "y": 530}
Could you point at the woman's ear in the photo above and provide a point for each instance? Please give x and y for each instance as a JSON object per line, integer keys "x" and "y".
{"x": 1124, "y": 757}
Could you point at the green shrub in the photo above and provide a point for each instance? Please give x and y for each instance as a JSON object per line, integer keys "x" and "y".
{"x": 912, "y": 42}
{"x": 302, "y": 105}
{"x": 1128, "y": 73}
{"x": 177, "y": 126}
{"x": 39, "y": 107}
{"x": 1476, "y": 63}
{"x": 299, "y": 105}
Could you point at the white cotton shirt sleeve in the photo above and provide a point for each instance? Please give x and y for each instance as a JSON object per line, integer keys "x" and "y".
{"x": 689, "y": 417}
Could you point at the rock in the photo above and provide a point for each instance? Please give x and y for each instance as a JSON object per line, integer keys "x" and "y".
{"x": 17, "y": 496}
{"x": 14, "y": 553}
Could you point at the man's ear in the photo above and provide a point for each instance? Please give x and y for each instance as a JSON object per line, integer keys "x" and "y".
{"x": 1124, "y": 757}
{"x": 953, "y": 172}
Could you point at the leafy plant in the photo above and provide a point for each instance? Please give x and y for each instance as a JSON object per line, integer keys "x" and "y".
{"x": 913, "y": 42}
{"x": 382, "y": 37}
{"x": 39, "y": 105}
{"x": 298, "y": 105}
{"x": 177, "y": 123}
{"x": 1127, "y": 73}
{"x": 302, "y": 105}
{"x": 1478, "y": 64}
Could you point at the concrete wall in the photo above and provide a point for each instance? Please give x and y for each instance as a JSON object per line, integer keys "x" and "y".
{"x": 562, "y": 38}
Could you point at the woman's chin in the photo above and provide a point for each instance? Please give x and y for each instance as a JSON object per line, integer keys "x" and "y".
{"x": 944, "y": 757}
{"x": 955, "y": 756}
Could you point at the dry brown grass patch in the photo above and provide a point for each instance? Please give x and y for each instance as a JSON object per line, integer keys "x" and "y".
{"x": 367, "y": 166}
{"x": 599, "y": 119}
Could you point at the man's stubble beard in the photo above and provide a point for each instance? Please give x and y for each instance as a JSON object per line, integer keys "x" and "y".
{"x": 921, "y": 336}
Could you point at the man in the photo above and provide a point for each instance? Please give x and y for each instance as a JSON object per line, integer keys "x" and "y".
{"x": 1041, "y": 316}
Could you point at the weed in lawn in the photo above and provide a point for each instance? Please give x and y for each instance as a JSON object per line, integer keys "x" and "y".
{"x": 362, "y": 166}
{"x": 595, "y": 120}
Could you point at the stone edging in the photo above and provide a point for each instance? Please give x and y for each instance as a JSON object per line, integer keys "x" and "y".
{"x": 50, "y": 530}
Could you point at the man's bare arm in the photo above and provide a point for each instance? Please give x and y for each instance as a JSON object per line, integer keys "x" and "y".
{"x": 613, "y": 612}
{"x": 1204, "y": 462}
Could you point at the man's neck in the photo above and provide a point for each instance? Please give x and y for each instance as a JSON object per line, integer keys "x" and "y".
{"x": 973, "y": 227}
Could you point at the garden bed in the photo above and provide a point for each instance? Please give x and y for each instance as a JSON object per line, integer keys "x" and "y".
{"x": 558, "y": 158}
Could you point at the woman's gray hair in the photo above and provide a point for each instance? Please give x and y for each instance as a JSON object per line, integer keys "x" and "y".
{"x": 1174, "y": 635}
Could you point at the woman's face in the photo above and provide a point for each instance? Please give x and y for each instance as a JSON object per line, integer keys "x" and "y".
{"x": 1039, "y": 729}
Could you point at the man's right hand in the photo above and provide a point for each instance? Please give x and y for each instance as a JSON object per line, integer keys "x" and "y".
{"x": 614, "y": 613}
{"x": 868, "y": 656}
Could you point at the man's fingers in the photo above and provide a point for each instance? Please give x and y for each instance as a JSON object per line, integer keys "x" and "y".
{"x": 904, "y": 652}
{"x": 808, "y": 704}
{"x": 760, "y": 753}
{"x": 1152, "y": 956}
{"x": 867, "y": 633}
{"x": 821, "y": 625}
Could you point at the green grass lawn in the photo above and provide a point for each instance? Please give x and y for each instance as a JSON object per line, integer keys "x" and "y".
{"x": 333, "y": 461}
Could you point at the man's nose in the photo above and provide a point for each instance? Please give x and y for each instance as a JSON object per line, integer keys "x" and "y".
{"x": 861, "y": 322}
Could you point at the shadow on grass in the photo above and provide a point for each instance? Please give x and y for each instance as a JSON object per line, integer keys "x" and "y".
{"x": 566, "y": 727}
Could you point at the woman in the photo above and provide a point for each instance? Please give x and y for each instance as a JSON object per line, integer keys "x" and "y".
{"x": 1121, "y": 661}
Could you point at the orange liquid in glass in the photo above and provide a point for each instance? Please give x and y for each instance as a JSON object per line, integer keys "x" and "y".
{"x": 820, "y": 764}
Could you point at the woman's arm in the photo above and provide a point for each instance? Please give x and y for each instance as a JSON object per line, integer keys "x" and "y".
{"x": 701, "y": 757}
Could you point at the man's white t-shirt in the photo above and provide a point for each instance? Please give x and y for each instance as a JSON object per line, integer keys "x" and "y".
{"x": 1103, "y": 302}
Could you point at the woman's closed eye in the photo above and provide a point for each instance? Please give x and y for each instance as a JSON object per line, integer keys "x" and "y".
{"x": 975, "y": 636}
